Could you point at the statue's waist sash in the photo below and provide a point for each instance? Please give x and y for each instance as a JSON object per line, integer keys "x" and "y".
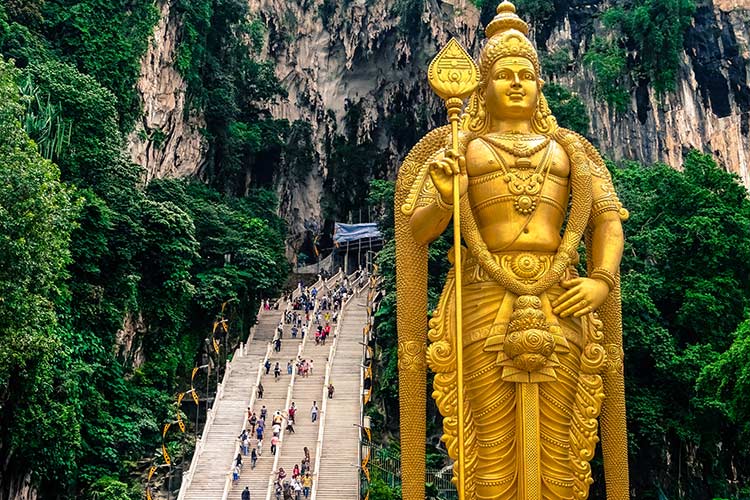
{"x": 487, "y": 306}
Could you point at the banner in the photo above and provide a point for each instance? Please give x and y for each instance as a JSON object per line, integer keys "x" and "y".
{"x": 179, "y": 413}
{"x": 164, "y": 453}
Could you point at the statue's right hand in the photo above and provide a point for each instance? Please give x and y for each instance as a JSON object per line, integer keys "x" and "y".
{"x": 442, "y": 170}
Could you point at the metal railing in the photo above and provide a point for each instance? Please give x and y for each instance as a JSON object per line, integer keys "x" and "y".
{"x": 290, "y": 390}
{"x": 386, "y": 466}
{"x": 211, "y": 415}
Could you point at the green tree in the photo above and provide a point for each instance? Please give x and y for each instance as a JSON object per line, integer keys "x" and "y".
{"x": 37, "y": 212}
{"x": 609, "y": 62}
{"x": 685, "y": 290}
{"x": 218, "y": 56}
{"x": 567, "y": 108}
{"x": 106, "y": 40}
{"x": 654, "y": 30}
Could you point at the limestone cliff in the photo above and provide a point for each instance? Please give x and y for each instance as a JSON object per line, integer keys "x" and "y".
{"x": 359, "y": 54}
{"x": 21, "y": 487}
{"x": 710, "y": 109}
{"x": 331, "y": 55}
{"x": 167, "y": 141}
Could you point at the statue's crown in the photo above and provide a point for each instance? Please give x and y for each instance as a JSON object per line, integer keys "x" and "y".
{"x": 507, "y": 36}
{"x": 506, "y": 19}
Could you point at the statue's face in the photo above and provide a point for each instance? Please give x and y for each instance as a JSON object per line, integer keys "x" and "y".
{"x": 512, "y": 89}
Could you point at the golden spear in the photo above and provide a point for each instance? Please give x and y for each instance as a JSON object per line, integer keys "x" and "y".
{"x": 453, "y": 76}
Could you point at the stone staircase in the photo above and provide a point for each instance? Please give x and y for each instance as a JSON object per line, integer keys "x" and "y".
{"x": 338, "y": 477}
{"x": 306, "y": 390}
{"x": 274, "y": 398}
{"x": 291, "y": 450}
{"x": 215, "y": 460}
{"x": 338, "y": 461}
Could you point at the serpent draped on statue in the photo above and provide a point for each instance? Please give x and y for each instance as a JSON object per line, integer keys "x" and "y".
{"x": 542, "y": 347}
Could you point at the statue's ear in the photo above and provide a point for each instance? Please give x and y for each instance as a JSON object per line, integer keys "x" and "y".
{"x": 540, "y": 82}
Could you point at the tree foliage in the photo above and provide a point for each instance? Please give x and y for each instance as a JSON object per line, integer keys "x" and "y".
{"x": 644, "y": 44}
{"x": 567, "y": 108}
{"x": 609, "y": 62}
{"x": 654, "y": 31}
{"x": 353, "y": 161}
{"x": 106, "y": 40}
{"x": 218, "y": 56}
{"x": 80, "y": 403}
{"x": 685, "y": 290}
{"x": 37, "y": 213}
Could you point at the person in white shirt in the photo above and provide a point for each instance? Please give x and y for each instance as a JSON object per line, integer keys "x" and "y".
{"x": 314, "y": 411}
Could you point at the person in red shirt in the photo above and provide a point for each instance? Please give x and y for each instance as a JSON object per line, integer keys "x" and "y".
{"x": 292, "y": 411}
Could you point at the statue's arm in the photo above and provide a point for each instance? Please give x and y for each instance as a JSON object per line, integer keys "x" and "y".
{"x": 585, "y": 295}
{"x": 431, "y": 216}
{"x": 434, "y": 200}
{"x": 607, "y": 236}
{"x": 607, "y": 242}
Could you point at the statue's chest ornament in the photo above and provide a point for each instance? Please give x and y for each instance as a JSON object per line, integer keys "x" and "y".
{"x": 524, "y": 183}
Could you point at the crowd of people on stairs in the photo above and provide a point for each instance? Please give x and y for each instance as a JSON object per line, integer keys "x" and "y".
{"x": 299, "y": 313}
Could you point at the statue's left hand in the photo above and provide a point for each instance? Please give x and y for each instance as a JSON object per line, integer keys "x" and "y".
{"x": 584, "y": 295}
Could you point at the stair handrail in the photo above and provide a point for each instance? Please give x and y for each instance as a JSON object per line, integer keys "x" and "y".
{"x": 324, "y": 403}
{"x": 210, "y": 417}
{"x": 327, "y": 284}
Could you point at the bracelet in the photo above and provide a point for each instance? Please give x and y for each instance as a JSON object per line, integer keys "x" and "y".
{"x": 443, "y": 205}
{"x": 604, "y": 275}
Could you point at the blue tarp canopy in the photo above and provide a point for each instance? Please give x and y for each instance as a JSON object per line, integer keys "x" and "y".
{"x": 346, "y": 233}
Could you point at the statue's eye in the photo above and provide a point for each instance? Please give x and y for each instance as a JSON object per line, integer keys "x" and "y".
{"x": 528, "y": 75}
{"x": 502, "y": 75}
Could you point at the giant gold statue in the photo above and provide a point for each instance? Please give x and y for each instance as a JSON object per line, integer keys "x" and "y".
{"x": 527, "y": 354}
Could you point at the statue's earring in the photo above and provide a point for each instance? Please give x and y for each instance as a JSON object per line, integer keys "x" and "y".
{"x": 476, "y": 111}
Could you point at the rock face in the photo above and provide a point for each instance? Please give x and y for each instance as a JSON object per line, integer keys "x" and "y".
{"x": 330, "y": 55}
{"x": 22, "y": 488}
{"x": 333, "y": 55}
{"x": 710, "y": 109}
{"x": 167, "y": 141}
{"x": 128, "y": 340}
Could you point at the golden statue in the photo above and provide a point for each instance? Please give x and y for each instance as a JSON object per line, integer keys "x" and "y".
{"x": 526, "y": 354}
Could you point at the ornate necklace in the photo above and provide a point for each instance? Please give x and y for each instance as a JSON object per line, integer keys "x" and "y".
{"x": 517, "y": 136}
{"x": 519, "y": 148}
{"x": 523, "y": 184}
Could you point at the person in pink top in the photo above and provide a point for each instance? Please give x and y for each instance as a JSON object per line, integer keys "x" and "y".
{"x": 274, "y": 444}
